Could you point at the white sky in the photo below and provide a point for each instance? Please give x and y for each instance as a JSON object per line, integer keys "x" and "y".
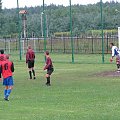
{"x": 28, "y": 3}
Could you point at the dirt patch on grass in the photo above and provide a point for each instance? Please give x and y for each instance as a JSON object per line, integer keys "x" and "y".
{"x": 109, "y": 74}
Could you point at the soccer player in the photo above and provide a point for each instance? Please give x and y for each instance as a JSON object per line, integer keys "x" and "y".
{"x": 6, "y": 69}
{"x": 2, "y": 55}
{"x": 30, "y": 60}
{"x": 115, "y": 53}
{"x": 48, "y": 67}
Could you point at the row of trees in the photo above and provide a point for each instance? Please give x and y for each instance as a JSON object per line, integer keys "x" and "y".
{"x": 84, "y": 18}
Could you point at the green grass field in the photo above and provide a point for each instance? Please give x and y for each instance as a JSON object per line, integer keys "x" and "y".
{"x": 76, "y": 93}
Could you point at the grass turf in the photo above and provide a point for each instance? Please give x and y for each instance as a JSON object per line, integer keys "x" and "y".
{"x": 76, "y": 94}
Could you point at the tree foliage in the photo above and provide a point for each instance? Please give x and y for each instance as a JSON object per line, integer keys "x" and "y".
{"x": 84, "y": 18}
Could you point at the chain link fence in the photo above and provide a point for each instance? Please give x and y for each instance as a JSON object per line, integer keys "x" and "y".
{"x": 83, "y": 46}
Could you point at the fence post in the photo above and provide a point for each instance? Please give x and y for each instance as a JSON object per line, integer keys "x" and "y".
{"x": 16, "y": 43}
{"x": 51, "y": 43}
{"x": 63, "y": 43}
{"x": 5, "y": 43}
{"x": 107, "y": 42}
{"x": 77, "y": 43}
{"x": 92, "y": 45}
{"x": 9, "y": 45}
{"x": 38, "y": 44}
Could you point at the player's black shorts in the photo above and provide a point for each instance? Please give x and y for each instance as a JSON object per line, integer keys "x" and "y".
{"x": 30, "y": 63}
{"x": 49, "y": 71}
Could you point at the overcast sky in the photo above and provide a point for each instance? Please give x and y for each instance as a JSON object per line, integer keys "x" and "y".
{"x": 28, "y": 3}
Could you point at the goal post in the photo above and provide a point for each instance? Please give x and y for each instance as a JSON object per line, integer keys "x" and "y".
{"x": 119, "y": 37}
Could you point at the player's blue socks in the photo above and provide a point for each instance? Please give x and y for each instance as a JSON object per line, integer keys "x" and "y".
{"x": 8, "y": 93}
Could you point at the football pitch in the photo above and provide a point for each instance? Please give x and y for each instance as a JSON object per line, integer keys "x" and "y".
{"x": 78, "y": 92}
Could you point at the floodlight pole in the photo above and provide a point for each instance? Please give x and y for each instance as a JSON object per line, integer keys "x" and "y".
{"x": 71, "y": 33}
{"x": 101, "y": 9}
{"x": 20, "y": 54}
{"x": 44, "y": 27}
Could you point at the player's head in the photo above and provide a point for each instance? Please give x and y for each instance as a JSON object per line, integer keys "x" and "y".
{"x": 29, "y": 47}
{"x": 47, "y": 53}
{"x": 111, "y": 44}
{"x": 7, "y": 56}
{"x": 2, "y": 51}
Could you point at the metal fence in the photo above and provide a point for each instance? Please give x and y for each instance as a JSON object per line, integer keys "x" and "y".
{"x": 85, "y": 45}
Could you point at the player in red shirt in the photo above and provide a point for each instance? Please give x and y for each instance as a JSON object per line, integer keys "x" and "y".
{"x": 30, "y": 60}
{"x": 48, "y": 67}
{"x": 6, "y": 69}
